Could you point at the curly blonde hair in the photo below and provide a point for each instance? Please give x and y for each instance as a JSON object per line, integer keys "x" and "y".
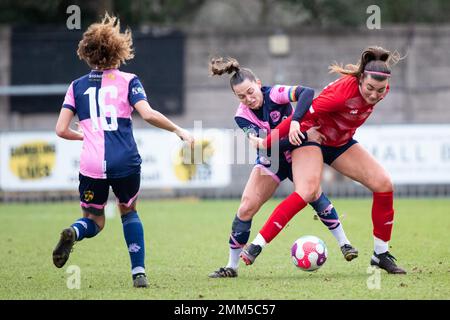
{"x": 103, "y": 46}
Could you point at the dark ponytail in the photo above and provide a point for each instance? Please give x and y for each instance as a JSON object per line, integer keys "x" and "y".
{"x": 220, "y": 65}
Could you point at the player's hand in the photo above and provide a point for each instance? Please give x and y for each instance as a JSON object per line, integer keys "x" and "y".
{"x": 314, "y": 135}
{"x": 295, "y": 135}
{"x": 255, "y": 141}
{"x": 186, "y": 136}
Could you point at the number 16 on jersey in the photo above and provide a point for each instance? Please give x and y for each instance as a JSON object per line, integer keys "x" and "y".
{"x": 105, "y": 109}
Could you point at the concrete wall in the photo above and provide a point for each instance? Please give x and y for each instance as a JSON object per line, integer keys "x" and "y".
{"x": 420, "y": 82}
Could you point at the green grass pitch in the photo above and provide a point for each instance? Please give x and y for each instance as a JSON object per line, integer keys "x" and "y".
{"x": 187, "y": 239}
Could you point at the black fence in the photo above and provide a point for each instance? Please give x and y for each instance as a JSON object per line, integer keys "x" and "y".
{"x": 42, "y": 56}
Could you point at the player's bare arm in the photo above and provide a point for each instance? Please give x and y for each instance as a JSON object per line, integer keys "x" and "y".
{"x": 63, "y": 129}
{"x": 159, "y": 120}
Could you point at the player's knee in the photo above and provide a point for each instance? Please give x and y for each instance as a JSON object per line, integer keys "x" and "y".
{"x": 100, "y": 225}
{"x": 317, "y": 194}
{"x": 383, "y": 184}
{"x": 309, "y": 190}
{"x": 307, "y": 196}
{"x": 247, "y": 208}
{"x": 124, "y": 209}
{"x": 99, "y": 221}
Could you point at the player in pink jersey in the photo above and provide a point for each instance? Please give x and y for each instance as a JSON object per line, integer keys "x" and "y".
{"x": 261, "y": 109}
{"x": 339, "y": 110}
{"x": 104, "y": 100}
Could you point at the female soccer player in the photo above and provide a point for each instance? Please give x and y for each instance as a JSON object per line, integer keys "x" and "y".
{"x": 341, "y": 108}
{"x": 104, "y": 100}
{"x": 261, "y": 109}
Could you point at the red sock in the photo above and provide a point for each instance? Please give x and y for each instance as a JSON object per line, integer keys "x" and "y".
{"x": 281, "y": 216}
{"x": 383, "y": 215}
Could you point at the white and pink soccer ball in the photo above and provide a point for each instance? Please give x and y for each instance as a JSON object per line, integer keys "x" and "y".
{"x": 309, "y": 253}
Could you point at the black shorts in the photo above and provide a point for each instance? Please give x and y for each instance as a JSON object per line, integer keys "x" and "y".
{"x": 94, "y": 192}
{"x": 278, "y": 171}
{"x": 330, "y": 153}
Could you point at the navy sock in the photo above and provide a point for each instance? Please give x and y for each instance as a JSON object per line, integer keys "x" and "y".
{"x": 134, "y": 237}
{"x": 85, "y": 228}
{"x": 240, "y": 232}
{"x": 326, "y": 212}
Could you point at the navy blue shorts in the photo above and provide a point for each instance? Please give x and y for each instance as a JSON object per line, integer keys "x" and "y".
{"x": 94, "y": 192}
{"x": 330, "y": 153}
{"x": 279, "y": 171}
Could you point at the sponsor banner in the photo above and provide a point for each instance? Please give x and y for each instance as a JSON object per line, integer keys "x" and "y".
{"x": 166, "y": 164}
{"x": 412, "y": 154}
{"x": 34, "y": 161}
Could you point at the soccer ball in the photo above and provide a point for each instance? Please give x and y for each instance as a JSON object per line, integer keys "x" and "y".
{"x": 309, "y": 253}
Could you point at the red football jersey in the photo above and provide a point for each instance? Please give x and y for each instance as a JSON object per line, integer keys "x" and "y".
{"x": 339, "y": 110}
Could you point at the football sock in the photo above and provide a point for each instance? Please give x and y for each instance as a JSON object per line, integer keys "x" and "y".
{"x": 339, "y": 235}
{"x": 329, "y": 217}
{"x": 85, "y": 228}
{"x": 259, "y": 240}
{"x": 282, "y": 214}
{"x": 383, "y": 215}
{"x": 233, "y": 258}
{"x": 240, "y": 232}
{"x": 134, "y": 237}
{"x": 380, "y": 246}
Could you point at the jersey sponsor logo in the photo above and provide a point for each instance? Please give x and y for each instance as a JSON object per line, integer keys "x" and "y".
{"x": 275, "y": 116}
{"x": 95, "y": 76}
{"x": 138, "y": 90}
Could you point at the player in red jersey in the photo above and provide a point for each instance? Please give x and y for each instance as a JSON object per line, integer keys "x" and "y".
{"x": 341, "y": 108}
{"x": 261, "y": 109}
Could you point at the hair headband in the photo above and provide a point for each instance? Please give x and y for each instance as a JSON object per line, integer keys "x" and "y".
{"x": 384, "y": 74}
